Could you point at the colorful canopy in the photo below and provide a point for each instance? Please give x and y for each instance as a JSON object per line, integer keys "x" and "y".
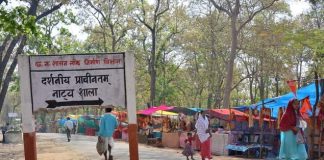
{"x": 224, "y": 114}
{"x": 152, "y": 110}
{"x": 282, "y": 101}
{"x": 165, "y": 113}
{"x": 183, "y": 110}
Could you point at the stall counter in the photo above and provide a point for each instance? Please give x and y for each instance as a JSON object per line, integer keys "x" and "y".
{"x": 220, "y": 141}
{"x": 171, "y": 140}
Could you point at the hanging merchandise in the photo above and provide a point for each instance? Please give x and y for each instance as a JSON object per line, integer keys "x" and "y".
{"x": 233, "y": 119}
{"x": 247, "y": 112}
{"x": 256, "y": 112}
{"x": 271, "y": 123}
{"x": 320, "y": 112}
{"x": 320, "y": 106}
{"x": 228, "y": 126}
{"x": 321, "y": 103}
{"x": 261, "y": 116}
{"x": 320, "y": 117}
{"x": 293, "y": 86}
{"x": 250, "y": 118}
{"x": 280, "y": 113}
{"x": 305, "y": 109}
{"x": 267, "y": 113}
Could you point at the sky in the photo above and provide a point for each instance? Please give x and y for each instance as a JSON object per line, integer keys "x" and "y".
{"x": 297, "y": 7}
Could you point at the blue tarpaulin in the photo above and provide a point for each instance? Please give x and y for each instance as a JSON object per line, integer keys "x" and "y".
{"x": 282, "y": 101}
{"x": 197, "y": 109}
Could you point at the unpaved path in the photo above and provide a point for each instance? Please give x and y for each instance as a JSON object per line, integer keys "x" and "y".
{"x": 52, "y": 146}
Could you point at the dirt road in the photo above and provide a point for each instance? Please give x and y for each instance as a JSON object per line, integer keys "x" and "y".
{"x": 52, "y": 146}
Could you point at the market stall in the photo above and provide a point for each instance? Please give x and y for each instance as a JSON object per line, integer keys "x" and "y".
{"x": 243, "y": 130}
{"x": 153, "y": 121}
{"x": 220, "y": 141}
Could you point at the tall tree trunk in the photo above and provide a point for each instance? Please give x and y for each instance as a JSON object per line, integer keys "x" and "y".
{"x": 230, "y": 64}
{"x": 277, "y": 84}
{"x": 256, "y": 86}
{"x": 6, "y": 57}
{"x": 300, "y": 73}
{"x": 7, "y": 77}
{"x": 113, "y": 36}
{"x": 233, "y": 13}
{"x": 252, "y": 99}
{"x": 105, "y": 41}
{"x": 152, "y": 69}
{"x": 209, "y": 100}
{"x": 261, "y": 85}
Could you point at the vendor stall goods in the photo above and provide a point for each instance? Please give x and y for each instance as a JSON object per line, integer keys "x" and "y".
{"x": 250, "y": 118}
{"x": 280, "y": 113}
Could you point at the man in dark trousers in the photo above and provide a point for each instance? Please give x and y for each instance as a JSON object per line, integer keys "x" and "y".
{"x": 69, "y": 126}
{"x": 108, "y": 124}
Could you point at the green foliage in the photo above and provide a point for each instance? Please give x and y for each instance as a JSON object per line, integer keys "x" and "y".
{"x": 17, "y": 22}
{"x": 192, "y": 46}
{"x": 14, "y": 86}
{"x": 45, "y": 43}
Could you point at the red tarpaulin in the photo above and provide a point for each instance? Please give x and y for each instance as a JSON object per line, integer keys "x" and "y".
{"x": 224, "y": 114}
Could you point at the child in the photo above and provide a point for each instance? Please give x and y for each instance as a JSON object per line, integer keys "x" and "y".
{"x": 188, "y": 151}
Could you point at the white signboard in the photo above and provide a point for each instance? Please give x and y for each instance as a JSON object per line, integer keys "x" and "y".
{"x": 70, "y": 80}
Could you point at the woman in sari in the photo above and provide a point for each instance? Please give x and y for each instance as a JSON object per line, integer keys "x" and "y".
{"x": 289, "y": 148}
{"x": 204, "y": 135}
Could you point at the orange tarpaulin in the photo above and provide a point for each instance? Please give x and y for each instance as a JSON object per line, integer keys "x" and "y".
{"x": 293, "y": 86}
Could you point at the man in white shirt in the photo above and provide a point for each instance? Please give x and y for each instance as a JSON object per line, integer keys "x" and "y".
{"x": 68, "y": 126}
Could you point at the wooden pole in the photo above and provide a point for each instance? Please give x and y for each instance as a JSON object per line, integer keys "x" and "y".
{"x": 30, "y": 146}
{"x": 28, "y": 123}
{"x": 261, "y": 134}
{"x": 131, "y": 106}
{"x": 311, "y": 150}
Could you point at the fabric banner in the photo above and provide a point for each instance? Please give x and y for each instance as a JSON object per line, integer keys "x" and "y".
{"x": 306, "y": 106}
{"x": 292, "y": 85}
{"x": 261, "y": 117}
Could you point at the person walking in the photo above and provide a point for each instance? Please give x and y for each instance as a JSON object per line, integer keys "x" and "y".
{"x": 291, "y": 148}
{"x": 108, "y": 124}
{"x": 68, "y": 128}
{"x": 204, "y": 135}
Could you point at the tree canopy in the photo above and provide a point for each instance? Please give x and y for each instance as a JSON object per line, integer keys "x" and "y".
{"x": 194, "y": 54}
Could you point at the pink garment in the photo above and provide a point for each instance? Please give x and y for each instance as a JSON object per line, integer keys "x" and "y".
{"x": 205, "y": 149}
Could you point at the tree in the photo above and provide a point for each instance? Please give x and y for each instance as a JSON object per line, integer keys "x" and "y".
{"x": 114, "y": 21}
{"x": 13, "y": 45}
{"x": 240, "y": 13}
{"x": 151, "y": 20}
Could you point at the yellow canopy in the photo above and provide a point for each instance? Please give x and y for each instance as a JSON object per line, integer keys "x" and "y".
{"x": 166, "y": 113}
{"x": 74, "y": 116}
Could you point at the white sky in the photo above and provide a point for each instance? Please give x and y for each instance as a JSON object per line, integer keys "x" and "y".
{"x": 298, "y": 7}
